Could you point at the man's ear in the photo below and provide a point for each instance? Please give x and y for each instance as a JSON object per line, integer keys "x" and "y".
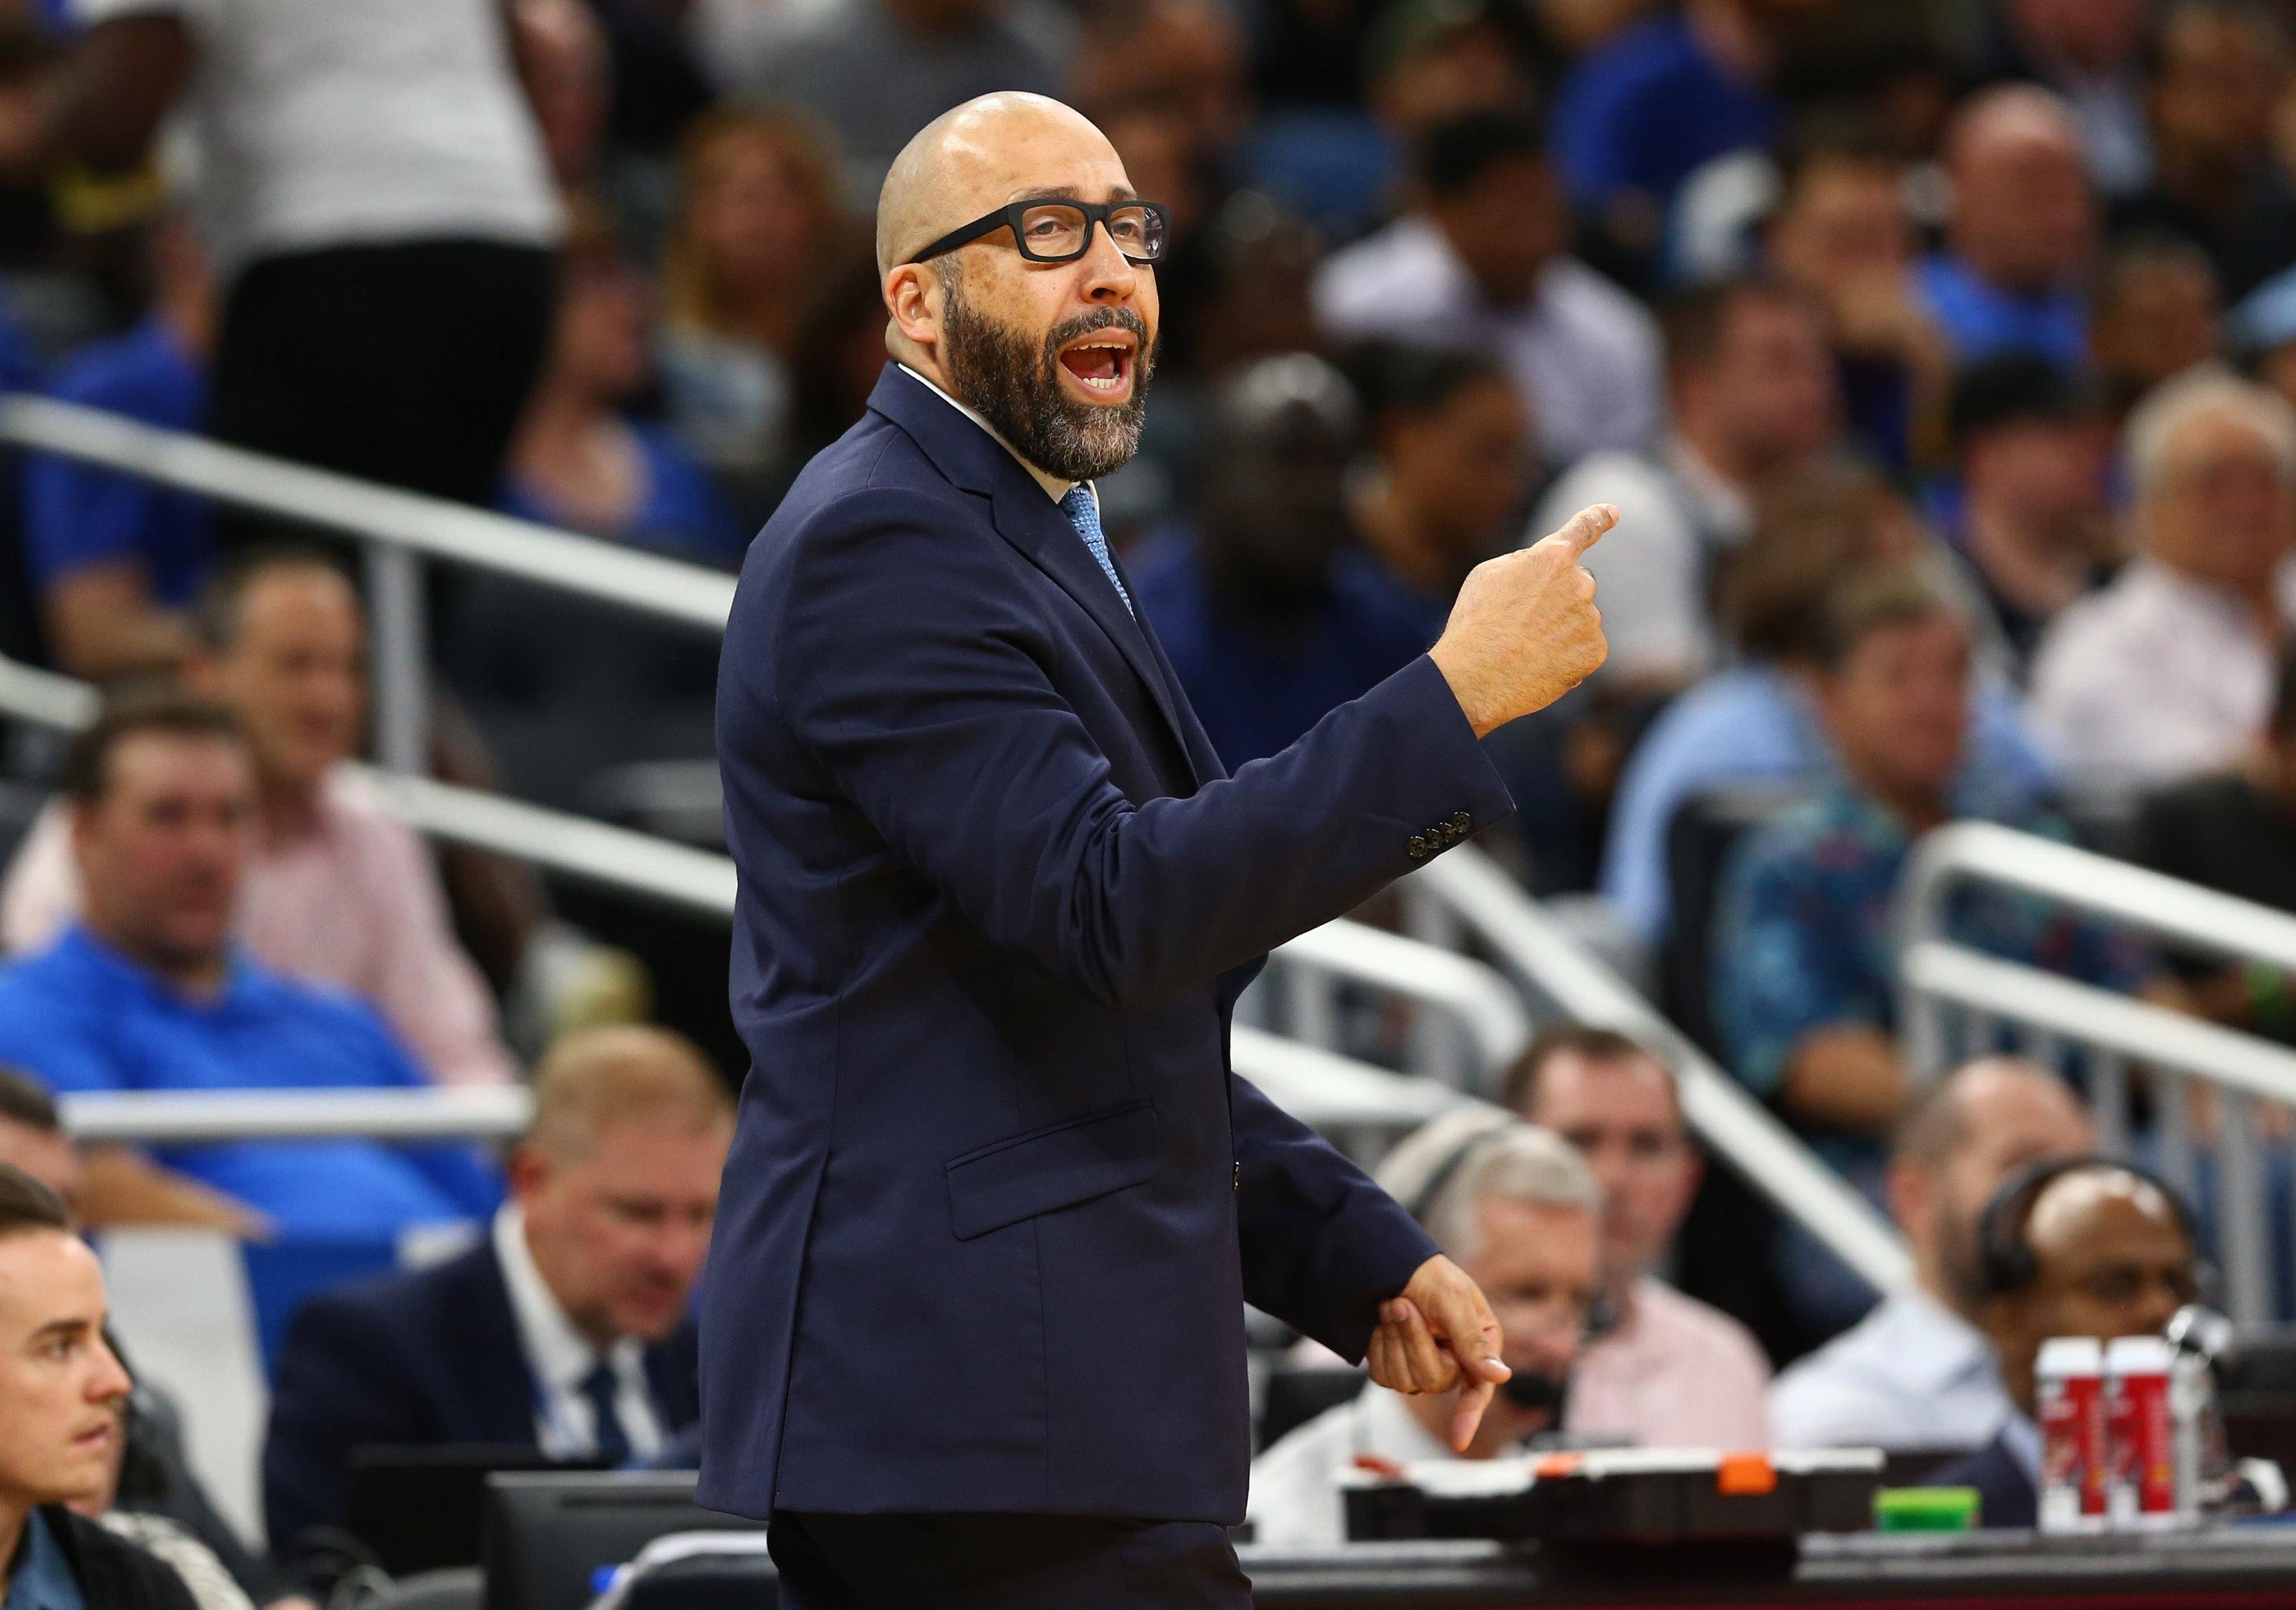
{"x": 1912, "y": 1200}
{"x": 525, "y": 1169}
{"x": 914, "y": 298}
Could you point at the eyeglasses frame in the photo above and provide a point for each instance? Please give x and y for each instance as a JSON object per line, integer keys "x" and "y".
{"x": 1009, "y": 215}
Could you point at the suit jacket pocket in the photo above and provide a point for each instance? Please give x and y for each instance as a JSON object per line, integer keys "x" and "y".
{"x": 1072, "y": 1162}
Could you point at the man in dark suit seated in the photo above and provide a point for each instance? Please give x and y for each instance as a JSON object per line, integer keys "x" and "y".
{"x": 2079, "y": 1246}
{"x": 567, "y": 1329}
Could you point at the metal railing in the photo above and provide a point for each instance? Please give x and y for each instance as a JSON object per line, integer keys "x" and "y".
{"x": 400, "y": 531}
{"x": 1463, "y": 887}
{"x": 1958, "y": 1002}
{"x": 1330, "y": 1093}
{"x": 1485, "y": 1012}
{"x": 1467, "y": 1035}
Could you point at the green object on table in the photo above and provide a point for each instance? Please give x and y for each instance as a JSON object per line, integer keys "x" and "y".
{"x": 1925, "y": 1510}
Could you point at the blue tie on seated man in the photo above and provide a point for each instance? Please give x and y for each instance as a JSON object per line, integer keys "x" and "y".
{"x": 972, "y": 1331}
{"x": 148, "y": 992}
{"x": 567, "y": 1329}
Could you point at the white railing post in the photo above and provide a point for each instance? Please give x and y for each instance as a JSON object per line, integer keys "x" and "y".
{"x": 400, "y": 662}
{"x": 2243, "y": 1227}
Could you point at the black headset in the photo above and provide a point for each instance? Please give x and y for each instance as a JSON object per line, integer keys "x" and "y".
{"x": 2005, "y": 1260}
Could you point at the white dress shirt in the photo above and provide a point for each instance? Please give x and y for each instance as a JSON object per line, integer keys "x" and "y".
{"x": 2157, "y": 678}
{"x": 1911, "y": 1374}
{"x": 1295, "y": 1499}
{"x": 558, "y": 1357}
{"x": 1584, "y": 354}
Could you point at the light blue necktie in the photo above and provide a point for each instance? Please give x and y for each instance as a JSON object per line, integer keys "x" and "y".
{"x": 1082, "y": 510}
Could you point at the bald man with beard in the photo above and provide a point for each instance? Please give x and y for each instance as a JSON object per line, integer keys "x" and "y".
{"x": 972, "y": 1331}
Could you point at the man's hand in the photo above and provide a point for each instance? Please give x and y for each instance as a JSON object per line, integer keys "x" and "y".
{"x": 1439, "y": 1334}
{"x": 1525, "y": 630}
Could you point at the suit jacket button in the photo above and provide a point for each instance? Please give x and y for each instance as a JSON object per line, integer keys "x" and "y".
{"x": 1417, "y": 846}
{"x": 1461, "y": 820}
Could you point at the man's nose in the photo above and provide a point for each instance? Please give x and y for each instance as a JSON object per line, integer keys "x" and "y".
{"x": 1109, "y": 275}
{"x": 108, "y": 1382}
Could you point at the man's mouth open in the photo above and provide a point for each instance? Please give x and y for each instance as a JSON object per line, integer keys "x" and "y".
{"x": 1101, "y": 363}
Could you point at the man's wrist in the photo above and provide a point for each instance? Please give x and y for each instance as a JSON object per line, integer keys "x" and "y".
{"x": 1461, "y": 682}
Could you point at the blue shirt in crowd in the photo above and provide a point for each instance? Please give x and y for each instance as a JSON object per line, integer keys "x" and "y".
{"x": 1752, "y": 726}
{"x": 1981, "y": 319}
{"x": 82, "y": 1017}
{"x": 77, "y": 515}
{"x": 1644, "y": 111}
{"x": 1255, "y": 697}
{"x": 680, "y": 511}
{"x": 43, "y": 1577}
{"x": 1803, "y": 937}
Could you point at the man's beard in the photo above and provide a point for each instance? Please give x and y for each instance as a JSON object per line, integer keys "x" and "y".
{"x": 1017, "y": 391}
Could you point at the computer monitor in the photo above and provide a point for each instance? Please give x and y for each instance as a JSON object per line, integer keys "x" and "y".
{"x": 417, "y": 1507}
{"x": 547, "y": 1534}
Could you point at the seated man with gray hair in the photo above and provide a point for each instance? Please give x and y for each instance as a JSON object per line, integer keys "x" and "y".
{"x": 1515, "y": 1207}
{"x": 2168, "y": 673}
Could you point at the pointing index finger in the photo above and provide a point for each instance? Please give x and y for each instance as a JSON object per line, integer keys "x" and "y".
{"x": 1584, "y": 529}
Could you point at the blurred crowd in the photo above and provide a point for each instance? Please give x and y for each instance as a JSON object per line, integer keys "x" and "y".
{"x": 1940, "y": 358}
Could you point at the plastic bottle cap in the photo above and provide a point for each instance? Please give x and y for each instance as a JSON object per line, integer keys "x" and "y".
{"x": 2139, "y": 1355}
{"x": 1925, "y": 1510}
{"x": 2071, "y": 1356}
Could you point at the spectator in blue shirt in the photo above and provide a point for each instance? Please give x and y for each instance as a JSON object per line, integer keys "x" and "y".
{"x": 1756, "y": 724}
{"x": 1641, "y": 112}
{"x": 149, "y": 993}
{"x": 2017, "y": 243}
{"x": 1269, "y": 619}
{"x": 119, "y": 560}
{"x": 1803, "y": 967}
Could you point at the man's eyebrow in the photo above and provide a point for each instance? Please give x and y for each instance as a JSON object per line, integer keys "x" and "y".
{"x": 1072, "y": 193}
{"x": 59, "y": 1330}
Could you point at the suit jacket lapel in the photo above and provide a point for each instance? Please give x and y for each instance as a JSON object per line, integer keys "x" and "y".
{"x": 1026, "y": 518}
{"x": 1203, "y": 759}
{"x": 497, "y": 1380}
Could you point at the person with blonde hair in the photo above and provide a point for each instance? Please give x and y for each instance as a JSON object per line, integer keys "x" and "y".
{"x": 567, "y": 1329}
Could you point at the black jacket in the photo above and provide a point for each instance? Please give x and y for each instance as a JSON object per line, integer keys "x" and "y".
{"x": 428, "y": 1356}
{"x": 2006, "y": 1498}
{"x": 112, "y": 1572}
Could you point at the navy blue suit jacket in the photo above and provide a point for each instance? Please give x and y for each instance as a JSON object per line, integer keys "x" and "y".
{"x": 429, "y": 1356}
{"x": 995, "y": 1202}
{"x": 2006, "y": 1498}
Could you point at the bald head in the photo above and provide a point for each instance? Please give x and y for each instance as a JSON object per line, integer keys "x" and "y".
{"x": 2022, "y": 214}
{"x": 2109, "y": 1256}
{"x": 975, "y": 157}
{"x": 2011, "y": 116}
{"x": 1990, "y": 1119}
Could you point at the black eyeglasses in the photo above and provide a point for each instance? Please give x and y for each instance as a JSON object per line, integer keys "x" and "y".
{"x": 1061, "y": 231}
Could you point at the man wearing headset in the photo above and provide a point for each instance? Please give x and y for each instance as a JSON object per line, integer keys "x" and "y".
{"x": 2079, "y": 1247}
{"x": 1518, "y": 1209}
